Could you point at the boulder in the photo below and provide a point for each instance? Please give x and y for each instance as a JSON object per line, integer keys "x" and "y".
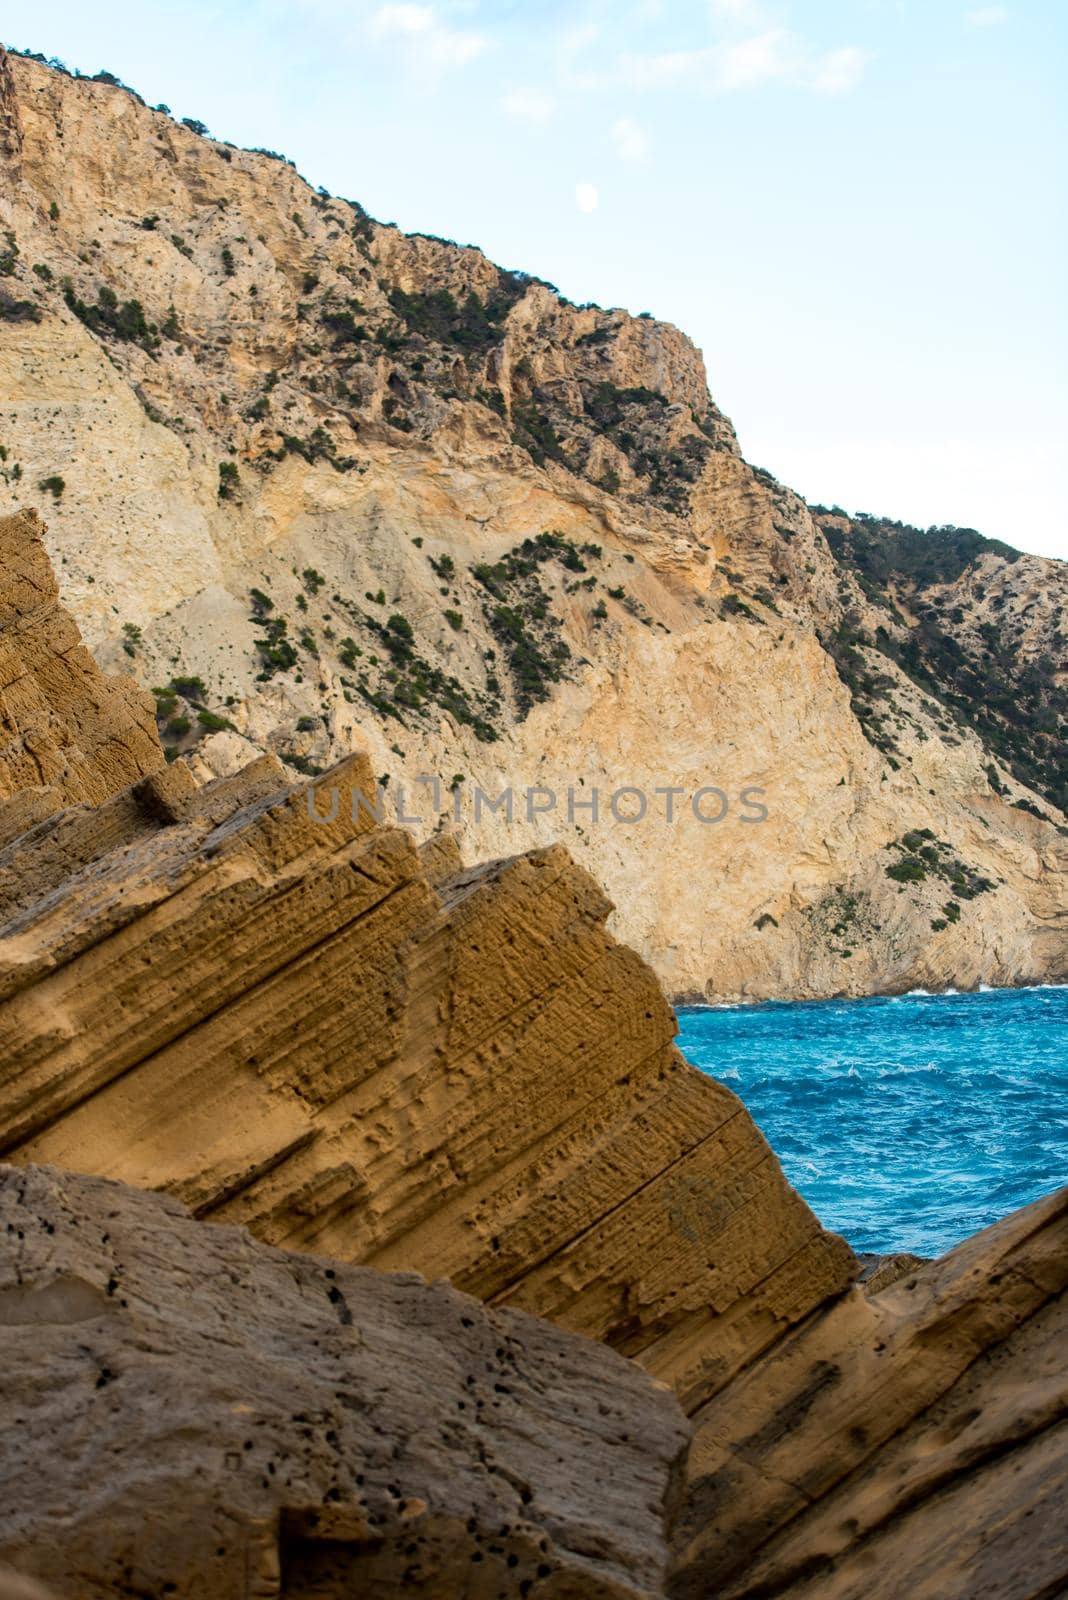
{"x": 189, "y": 1412}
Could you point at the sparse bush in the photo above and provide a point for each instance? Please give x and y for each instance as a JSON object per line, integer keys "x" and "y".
{"x": 190, "y": 688}
{"x": 126, "y": 321}
{"x": 14, "y": 310}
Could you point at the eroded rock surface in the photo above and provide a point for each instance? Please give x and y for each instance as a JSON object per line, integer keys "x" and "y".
{"x": 188, "y": 1412}
{"x": 283, "y": 1012}
{"x": 911, "y": 1441}
{"x": 261, "y": 999}
{"x": 68, "y": 732}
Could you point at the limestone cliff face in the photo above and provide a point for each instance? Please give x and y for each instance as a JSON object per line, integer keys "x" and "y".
{"x": 305, "y": 462}
{"x": 282, "y": 1012}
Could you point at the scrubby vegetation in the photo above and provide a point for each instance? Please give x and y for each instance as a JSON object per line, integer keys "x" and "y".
{"x": 13, "y": 309}
{"x": 921, "y": 855}
{"x": 181, "y": 713}
{"x": 410, "y": 685}
{"x": 516, "y": 608}
{"x": 632, "y": 418}
{"x": 882, "y": 550}
{"x": 472, "y": 324}
{"x": 276, "y": 650}
{"x": 979, "y": 673}
{"x": 110, "y": 318}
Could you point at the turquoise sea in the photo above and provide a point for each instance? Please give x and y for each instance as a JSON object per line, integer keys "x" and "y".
{"x": 907, "y": 1122}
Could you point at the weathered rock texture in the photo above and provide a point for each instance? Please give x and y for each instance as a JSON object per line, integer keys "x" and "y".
{"x": 255, "y": 996}
{"x": 361, "y": 426}
{"x": 13, "y": 1586}
{"x": 187, "y": 1412}
{"x": 68, "y": 732}
{"x": 286, "y": 1014}
{"x": 911, "y": 1441}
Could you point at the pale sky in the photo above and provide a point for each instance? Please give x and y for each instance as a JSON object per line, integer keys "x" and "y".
{"x": 855, "y": 207}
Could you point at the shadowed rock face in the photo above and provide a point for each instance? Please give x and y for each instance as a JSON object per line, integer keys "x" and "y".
{"x": 68, "y": 733}
{"x": 188, "y": 1412}
{"x": 285, "y": 1014}
{"x": 912, "y": 1441}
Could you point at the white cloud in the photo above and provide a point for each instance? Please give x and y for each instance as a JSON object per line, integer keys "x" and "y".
{"x": 987, "y": 16}
{"x": 735, "y": 10}
{"x": 430, "y": 45}
{"x": 529, "y": 104}
{"x": 402, "y": 19}
{"x": 586, "y": 197}
{"x": 773, "y": 56}
{"x": 668, "y": 70}
{"x": 838, "y": 71}
{"x": 574, "y": 46}
{"x": 631, "y": 141}
{"x": 762, "y": 58}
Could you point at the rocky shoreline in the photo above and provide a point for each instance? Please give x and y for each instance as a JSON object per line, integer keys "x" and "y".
{"x": 651, "y": 1372}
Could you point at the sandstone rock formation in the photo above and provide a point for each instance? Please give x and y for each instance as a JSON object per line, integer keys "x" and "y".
{"x": 311, "y": 1027}
{"x": 910, "y": 1441}
{"x": 190, "y": 1413}
{"x": 285, "y": 1013}
{"x": 331, "y": 451}
{"x": 69, "y": 733}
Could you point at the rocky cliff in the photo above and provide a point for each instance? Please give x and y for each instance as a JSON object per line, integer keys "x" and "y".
{"x": 262, "y": 1000}
{"x": 329, "y": 488}
{"x": 257, "y": 997}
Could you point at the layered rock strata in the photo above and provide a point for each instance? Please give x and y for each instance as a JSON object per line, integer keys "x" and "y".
{"x": 285, "y": 1013}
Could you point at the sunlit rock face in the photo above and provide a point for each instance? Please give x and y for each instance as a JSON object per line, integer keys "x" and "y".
{"x": 335, "y": 489}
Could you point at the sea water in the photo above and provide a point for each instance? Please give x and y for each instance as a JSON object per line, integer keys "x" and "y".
{"x": 907, "y": 1122}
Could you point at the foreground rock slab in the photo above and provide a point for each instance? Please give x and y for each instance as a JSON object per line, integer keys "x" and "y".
{"x": 283, "y": 1013}
{"x": 908, "y": 1442}
{"x": 188, "y": 1412}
